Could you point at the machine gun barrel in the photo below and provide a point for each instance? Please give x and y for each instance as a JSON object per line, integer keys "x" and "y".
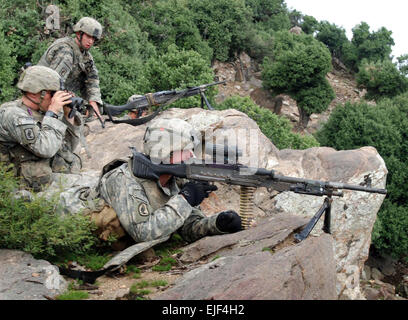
{"x": 159, "y": 98}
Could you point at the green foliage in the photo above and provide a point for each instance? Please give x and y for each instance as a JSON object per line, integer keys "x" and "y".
{"x": 373, "y": 46}
{"x": 22, "y": 24}
{"x": 315, "y": 98}
{"x": 384, "y": 127}
{"x": 299, "y": 61}
{"x": 258, "y": 43}
{"x": 34, "y": 227}
{"x": 309, "y": 25}
{"x": 73, "y": 295}
{"x": 403, "y": 64}
{"x": 381, "y": 79}
{"x": 93, "y": 259}
{"x": 390, "y": 232}
{"x": 333, "y": 37}
{"x": 159, "y": 283}
{"x": 7, "y": 70}
{"x": 179, "y": 69}
{"x": 299, "y": 69}
{"x": 222, "y": 23}
{"x": 277, "y": 129}
{"x": 272, "y": 15}
{"x": 169, "y": 22}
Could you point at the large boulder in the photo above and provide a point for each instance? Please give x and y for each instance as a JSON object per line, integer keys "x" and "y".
{"x": 24, "y": 278}
{"x": 352, "y": 216}
{"x": 259, "y": 263}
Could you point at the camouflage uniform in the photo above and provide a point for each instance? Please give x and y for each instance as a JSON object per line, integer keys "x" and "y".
{"x": 77, "y": 68}
{"x": 147, "y": 210}
{"x": 37, "y": 145}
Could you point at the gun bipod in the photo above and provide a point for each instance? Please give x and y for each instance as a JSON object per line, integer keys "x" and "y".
{"x": 326, "y": 209}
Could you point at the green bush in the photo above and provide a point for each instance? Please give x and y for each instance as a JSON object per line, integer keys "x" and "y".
{"x": 34, "y": 227}
{"x": 222, "y": 23}
{"x": 7, "y": 70}
{"x": 333, "y": 37}
{"x": 171, "y": 22}
{"x": 178, "y": 69}
{"x": 299, "y": 68}
{"x": 373, "y": 46}
{"x": 271, "y": 15}
{"x": 384, "y": 127}
{"x": 22, "y": 24}
{"x": 277, "y": 129}
{"x": 381, "y": 79}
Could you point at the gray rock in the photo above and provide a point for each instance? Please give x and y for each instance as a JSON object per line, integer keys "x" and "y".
{"x": 366, "y": 274}
{"x": 302, "y": 271}
{"x": 372, "y": 293}
{"x": 376, "y": 274}
{"x": 24, "y": 278}
{"x": 269, "y": 232}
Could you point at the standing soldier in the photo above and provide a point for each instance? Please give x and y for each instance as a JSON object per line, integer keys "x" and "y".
{"x": 71, "y": 58}
{"x": 33, "y": 136}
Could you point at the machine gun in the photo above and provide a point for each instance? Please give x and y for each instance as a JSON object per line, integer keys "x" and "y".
{"x": 249, "y": 179}
{"x": 161, "y": 98}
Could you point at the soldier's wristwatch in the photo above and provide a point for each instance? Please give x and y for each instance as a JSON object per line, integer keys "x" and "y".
{"x": 51, "y": 114}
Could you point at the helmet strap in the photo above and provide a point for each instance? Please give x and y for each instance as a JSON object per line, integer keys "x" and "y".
{"x": 81, "y": 47}
{"x": 35, "y": 102}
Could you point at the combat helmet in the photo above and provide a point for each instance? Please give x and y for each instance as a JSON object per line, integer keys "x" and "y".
{"x": 38, "y": 78}
{"x": 165, "y": 135}
{"x": 90, "y": 26}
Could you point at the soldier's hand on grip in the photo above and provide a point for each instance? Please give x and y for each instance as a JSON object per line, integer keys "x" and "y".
{"x": 195, "y": 192}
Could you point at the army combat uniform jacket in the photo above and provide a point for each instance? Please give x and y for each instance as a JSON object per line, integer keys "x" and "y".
{"x": 76, "y": 68}
{"x": 148, "y": 211}
{"x": 37, "y": 145}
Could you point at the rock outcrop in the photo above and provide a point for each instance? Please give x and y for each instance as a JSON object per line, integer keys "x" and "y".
{"x": 352, "y": 216}
{"x": 250, "y": 266}
{"x": 24, "y": 278}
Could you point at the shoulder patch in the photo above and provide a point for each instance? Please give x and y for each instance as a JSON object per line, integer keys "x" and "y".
{"x": 29, "y": 134}
{"x": 143, "y": 210}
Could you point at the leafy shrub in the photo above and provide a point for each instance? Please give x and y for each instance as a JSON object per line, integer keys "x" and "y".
{"x": 178, "y": 69}
{"x": 272, "y": 15}
{"x": 333, "y": 37}
{"x": 171, "y": 22}
{"x": 277, "y": 129}
{"x": 7, "y": 70}
{"x": 373, "y": 46}
{"x": 381, "y": 79}
{"x": 34, "y": 227}
{"x": 299, "y": 68}
{"x": 222, "y": 23}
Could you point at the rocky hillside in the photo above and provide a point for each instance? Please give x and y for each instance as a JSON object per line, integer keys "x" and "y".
{"x": 244, "y": 79}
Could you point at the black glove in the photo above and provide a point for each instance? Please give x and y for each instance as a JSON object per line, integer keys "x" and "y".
{"x": 195, "y": 192}
{"x": 228, "y": 221}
